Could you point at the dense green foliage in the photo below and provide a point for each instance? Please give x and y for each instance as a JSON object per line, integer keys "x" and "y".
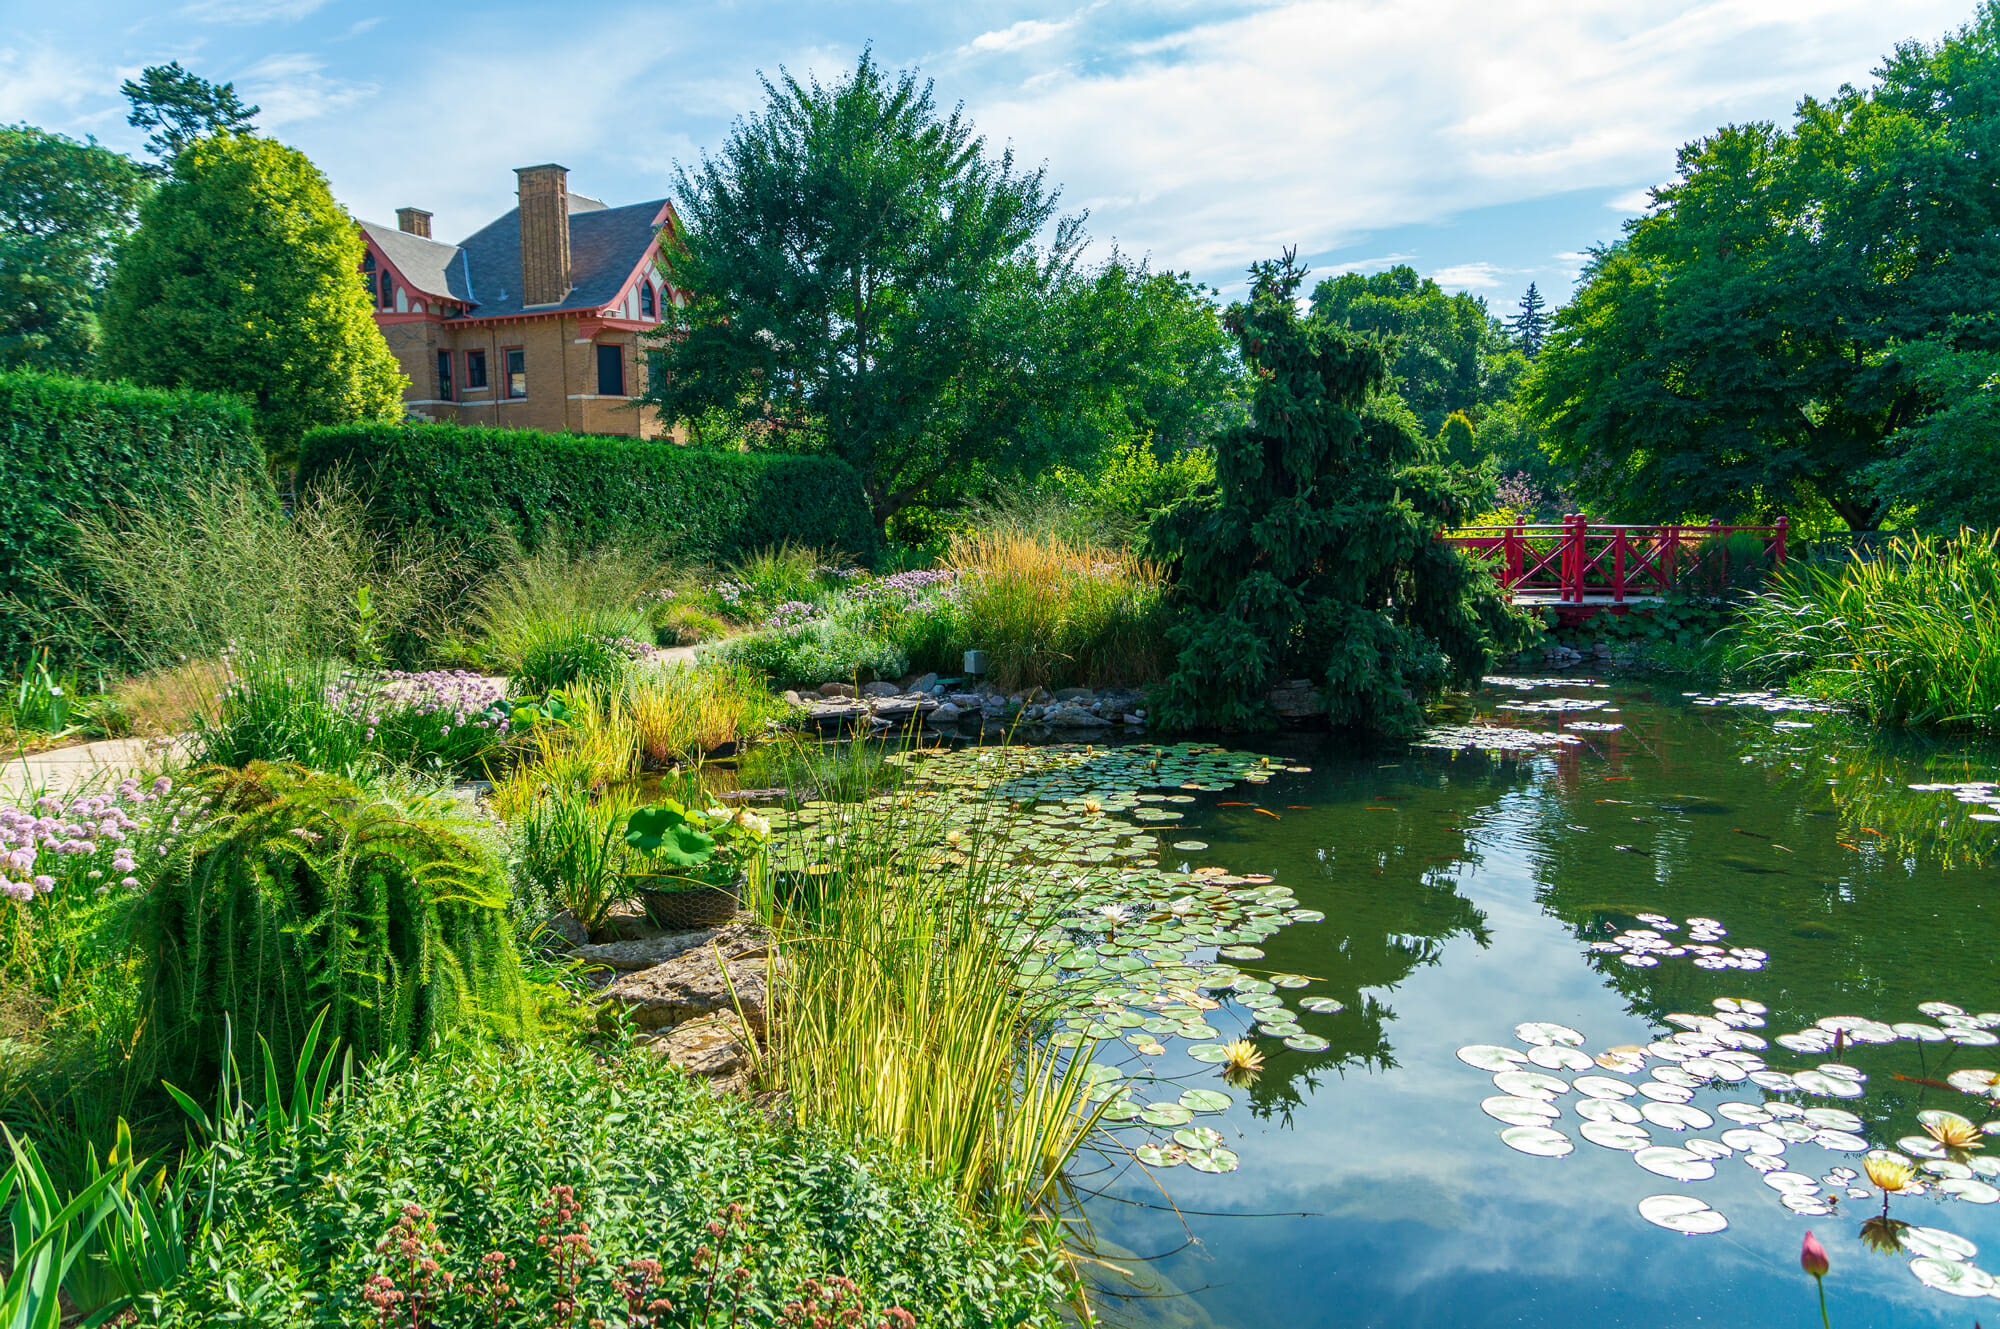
{"x": 180, "y": 106}
{"x": 242, "y": 278}
{"x": 1315, "y": 554}
{"x": 1910, "y": 634}
{"x": 1943, "y": 470}
{"x": 1449, "y": 354}
{"x": 691, "y": 502}
{"x": 868, "y": 284}
{"x": 72, "y": 447}
{"x": 307, "y": 893}
{"x": 1735, "y": 351}
{"x": 480, "y": 1142}
{"x": 64, "y": 208}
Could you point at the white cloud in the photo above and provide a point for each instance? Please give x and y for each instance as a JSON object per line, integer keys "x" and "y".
{"x": 1472, "y": 276}
{"x": 289, "y": 89}
{"x": 1632, "y": 201}
{"x": 1317, "y": 121}
{"x": 39, "y": 79}
{"x": 250, "y": 11}
{"x": 1027, "y": 32}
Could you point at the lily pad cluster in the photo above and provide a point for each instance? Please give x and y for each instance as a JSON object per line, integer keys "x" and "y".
{"x": 1130, "y": 946}
{"x": 1492, "y": 738}
{"x": 1978, "y": 793}
{"x": 1640, "y": 1100}
{"x": 1645, "y": 947}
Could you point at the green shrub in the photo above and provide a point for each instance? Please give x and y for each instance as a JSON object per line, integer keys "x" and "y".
{"x": 73, "y": 446}
{"x": 1911, "y": 635}
{"x": 697, "y": 503}
{"x": 840, "y": 645}
{"x": 479, "y": 1140}
{"x": 307, "y": 892}
{"x": 564, "y": 613}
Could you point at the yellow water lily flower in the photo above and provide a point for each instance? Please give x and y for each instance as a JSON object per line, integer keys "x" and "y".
{"x": 1889, "y": 1174}
{"x": 1950, "y": 1130}
{"x": 1242, "y": 1055}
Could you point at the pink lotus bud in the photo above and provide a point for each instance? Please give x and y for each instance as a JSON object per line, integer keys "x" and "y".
{"x": 1812, "y": 1257}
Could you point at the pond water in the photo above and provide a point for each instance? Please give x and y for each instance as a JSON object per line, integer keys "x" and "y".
{"x": 1462, "y": 894}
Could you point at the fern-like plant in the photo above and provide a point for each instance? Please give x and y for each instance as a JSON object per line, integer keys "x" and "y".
{"x": 308, "y": 892}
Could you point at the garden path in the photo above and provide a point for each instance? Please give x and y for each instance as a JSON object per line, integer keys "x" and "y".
{"x": 61, "y": 770}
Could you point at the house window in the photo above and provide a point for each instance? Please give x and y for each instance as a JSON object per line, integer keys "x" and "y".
{"x": 386, "y": 297}
{"x": 444, "y": 375}
{"x": 475, "y": 370}
{"x": 646, "y": 305}
{"x": 517, "y": 371}
{"x": 610, "y": 371}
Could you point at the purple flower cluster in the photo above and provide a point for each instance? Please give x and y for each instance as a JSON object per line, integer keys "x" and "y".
{"x": 840, "y": 574}
{"x": 906, "y": 586}
{"x": 639, "y": 652}
{"x": 62, "y": 843}
{"x": 446, "y": 699}
{"x": 791, "y": 614}
{"x": 732, "y": 595}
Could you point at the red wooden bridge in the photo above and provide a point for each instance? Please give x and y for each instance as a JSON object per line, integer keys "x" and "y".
{"x": 1581, "y": 567}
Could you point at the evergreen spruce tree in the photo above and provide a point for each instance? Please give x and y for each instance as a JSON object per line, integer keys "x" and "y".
{"x": 244, "y": 277}
{"x": 1531, "y": 326}
{"x": 1315, "y": 552}
{"x": 1457, "y": 441}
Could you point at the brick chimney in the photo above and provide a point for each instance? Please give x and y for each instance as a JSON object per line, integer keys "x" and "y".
{"x": 414, "y": 220}
{"x": 545, "y": 277}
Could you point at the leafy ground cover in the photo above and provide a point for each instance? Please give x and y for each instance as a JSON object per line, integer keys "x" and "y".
{"x": 557, "y": 1186}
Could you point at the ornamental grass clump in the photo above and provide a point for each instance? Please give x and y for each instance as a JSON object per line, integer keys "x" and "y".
{"x": 306, "y": 892}
{"x": 901, "y": 1015}
{"x": 563, "y": 614}
{"x": 1910, "y": 635}
{"x": 1054, "y": 612}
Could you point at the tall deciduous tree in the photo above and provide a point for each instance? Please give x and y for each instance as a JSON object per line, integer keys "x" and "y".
{"x": 1735, "y": 350}
{"x": 64, "y": 208}
{"x": 243, "y": 277}
{"x": 1448, "y": 354}
{"x": 865, "y": 280}
{"x": 1316, "y": 553}
{"x": 1530, "y": 325}
{"x": 179, "y": 107}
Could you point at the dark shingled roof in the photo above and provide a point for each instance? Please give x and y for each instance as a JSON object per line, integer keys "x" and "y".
{"x": 484, "y": 270}
{"x": 605, "y": 244}
{"x": 431, "y": 267}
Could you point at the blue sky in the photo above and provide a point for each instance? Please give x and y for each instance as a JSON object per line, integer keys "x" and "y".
{"x": 1485, "y": 144}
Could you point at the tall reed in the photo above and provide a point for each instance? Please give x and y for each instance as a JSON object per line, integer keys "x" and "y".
{"x": 562, "y": 612}
{"x": 900, "y": 1015}
{"x": 1051, "y": 611}
{"x": 681, "y": 711}
{"x": 1911, "y": 634}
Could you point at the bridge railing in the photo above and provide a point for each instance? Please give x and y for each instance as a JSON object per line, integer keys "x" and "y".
{"x": 1578, "y": 559}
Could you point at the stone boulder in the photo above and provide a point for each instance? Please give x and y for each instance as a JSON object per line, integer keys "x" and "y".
{"x": 836, "y": 690}
{"x": 730, "y": 966}
{"x": 643, "y": 952}
{"x": 1074, "y": 717}
{"x": 1297, "y": 700}
{"x": 879, "y": 690}
{"x": 716, "y": 1048}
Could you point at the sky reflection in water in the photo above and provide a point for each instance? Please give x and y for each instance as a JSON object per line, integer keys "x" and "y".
{"x": 1461, "y": 895}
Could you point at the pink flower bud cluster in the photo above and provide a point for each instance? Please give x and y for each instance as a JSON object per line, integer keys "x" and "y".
{"x": 62, "y": 843}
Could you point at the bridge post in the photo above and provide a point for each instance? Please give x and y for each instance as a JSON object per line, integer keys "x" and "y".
{"x": 1784, "y": 530}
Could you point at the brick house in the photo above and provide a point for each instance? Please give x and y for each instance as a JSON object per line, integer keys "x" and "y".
{"x": 531, "y": 322}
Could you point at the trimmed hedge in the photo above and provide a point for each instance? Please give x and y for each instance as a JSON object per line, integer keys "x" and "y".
{"x": 594, "y": 489}
{"x": 72, "y": 445}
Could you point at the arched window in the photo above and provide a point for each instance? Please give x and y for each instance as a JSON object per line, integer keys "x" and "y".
{"x": 646, "y": 305}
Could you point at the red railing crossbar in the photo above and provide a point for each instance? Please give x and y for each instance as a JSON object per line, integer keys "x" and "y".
{"x": 1578, "y": 558}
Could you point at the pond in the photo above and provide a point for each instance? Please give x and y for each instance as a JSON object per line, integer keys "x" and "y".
{"x": 1724, "y": 873}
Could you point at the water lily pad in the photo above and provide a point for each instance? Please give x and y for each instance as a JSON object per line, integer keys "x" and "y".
{"x": 1681, "y": 1213}
{"x": 1530, "y": 1084}
{"x": 1240, "y": 953}
{"x": 1607, "y": 1109}
{"x": 1166, "y": 1114}
{"x": 1487, "y": 1057}
{"x": 1952, "y": 1276}
{"x": 1198, "y": 1137}
{"x": 1540, "y": 1031}
{"x": 1603, "y": 1086}
{"x": 1678, "y": 1164}
{"x": 1938, "y": 1244}
{"x": 1306, "y": 1042}
{"x": 1613, "y": 1134}
{"x": 1153, "y": 1155}
{"x": 1519, "y": 1111}
{"x": 1677, "y": 1116}
{"x": 1191, "y": 846}
{"x": 1206, "y": 1100}
{"x": 1214, "y": 1160}
{"x": 1970, "y": 1189}
{"x": 1208, "y": 1052}
{"x": 1541, "y": 1141}
{"x": 1555, "y": 1057}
